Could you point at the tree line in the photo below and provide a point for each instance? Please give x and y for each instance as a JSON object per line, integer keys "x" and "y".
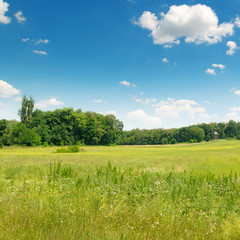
{"x": 59, "y": 127}
{"x": 69, "y": 127}
{"x": 191, "y": 134}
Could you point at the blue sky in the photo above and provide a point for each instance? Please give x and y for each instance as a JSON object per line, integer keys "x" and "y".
{"x": 153, "y": 63}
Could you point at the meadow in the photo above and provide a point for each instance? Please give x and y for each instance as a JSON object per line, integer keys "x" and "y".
{"x": 183, "y": 191}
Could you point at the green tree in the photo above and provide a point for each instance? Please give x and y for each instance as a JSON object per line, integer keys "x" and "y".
{"x": 25, "y": 112}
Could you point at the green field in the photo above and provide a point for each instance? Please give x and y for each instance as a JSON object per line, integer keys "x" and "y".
{"x": 185, "y": 191}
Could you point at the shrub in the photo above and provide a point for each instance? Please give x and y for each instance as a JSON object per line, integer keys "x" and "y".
{"x": 208, "y": 138}
{"x": 80, "y": 143}
{"x": 45, "y": 144}
{"x": 173, "y": 141}
{"x": 71, "y": 149}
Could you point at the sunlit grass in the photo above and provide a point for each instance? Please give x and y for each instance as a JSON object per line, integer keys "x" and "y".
{"x": 123, "y": 192}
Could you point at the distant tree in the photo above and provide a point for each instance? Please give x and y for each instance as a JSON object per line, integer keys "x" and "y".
{"x": 25, "y": 112}
{"x": 231, "y": 129}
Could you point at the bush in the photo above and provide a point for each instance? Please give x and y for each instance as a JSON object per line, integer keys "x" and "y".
{"x": 173, "y": 141}
{"x": 80, "y": 143}
{"x": 164, "y": 141}
{"x": 1, "y": 145}
{"x": 45, "y": 144}
{"x": 25, "y": 136}
{"x": 71, "y": 149}
{"x": 208, "y": 138}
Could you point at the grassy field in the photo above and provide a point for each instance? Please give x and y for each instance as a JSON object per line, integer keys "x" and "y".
{"x": 189, "y": 191}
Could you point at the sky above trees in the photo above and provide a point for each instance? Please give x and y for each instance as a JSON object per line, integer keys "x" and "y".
{"x": 152, "y": 63}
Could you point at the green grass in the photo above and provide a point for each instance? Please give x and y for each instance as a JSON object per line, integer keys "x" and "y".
{"x": 189, "y": 191}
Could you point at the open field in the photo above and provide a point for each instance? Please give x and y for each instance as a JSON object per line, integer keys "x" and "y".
{"x": 187, "y": 191}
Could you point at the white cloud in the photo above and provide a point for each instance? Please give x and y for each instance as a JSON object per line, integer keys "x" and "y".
{"x": 45, "y": 103}
{"x": 232, "y": 47}
{"x": 237, "y": 22}
{"x": 7, "y": 90}
{"x": 233, "y": 116}
{"x": 174, "y": 108}
{"x": 237, "y": 92}
{"x": 25, "y": 39}
{"x": 97, "y": 100}
{"x": 17, "y": 99}
{"x": 42, "y": 41}
{"x": 165, "y": 60}
{"x": 210, "y": 71}
{"x": 40, "y": 52}
{"x": 221, "y": 66}
{"x": 141, "y": 93}
{"x": 145, "y": 101}
{"x": 3, "y": 9}
{"x": 143, "y": 119}
{"x": 19, "y": 16}
{"x": 127, "y": 84}
{"x": 197, "y": 23}
{"x": 235, "y": 109}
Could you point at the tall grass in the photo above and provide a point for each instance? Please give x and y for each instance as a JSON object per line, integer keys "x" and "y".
{"x": 169, "y": 192}
{"x": 111, "y": 202}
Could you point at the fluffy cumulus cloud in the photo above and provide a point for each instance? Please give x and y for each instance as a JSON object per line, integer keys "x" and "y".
{"x": 221, "y": 66}
{"x": 175, "y": 108}
{"x": 7, "y": 90}
{"x": 232, "y": 47}
{"x": 127, "y": 84}
{"x": 197, "y": 23}
{"x": 19, "y": 16}
{"x": 46, "y": 103}
{"x": 210, "y": 71}
{"x": 40, "y": 52}
{"x": 237, "y": 22}
{"x": 143, "y": 119}
{"x": 3, "y": 9}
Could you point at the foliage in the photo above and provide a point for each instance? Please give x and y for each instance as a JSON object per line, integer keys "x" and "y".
{"x": 25, "y": 112}
{"x": 192, "y": 134}
{"x": 68, "y": 127}
{"x": 70, "y": 149}
{"x": 173, "y": 141}
{"x": 25, "y": 136}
